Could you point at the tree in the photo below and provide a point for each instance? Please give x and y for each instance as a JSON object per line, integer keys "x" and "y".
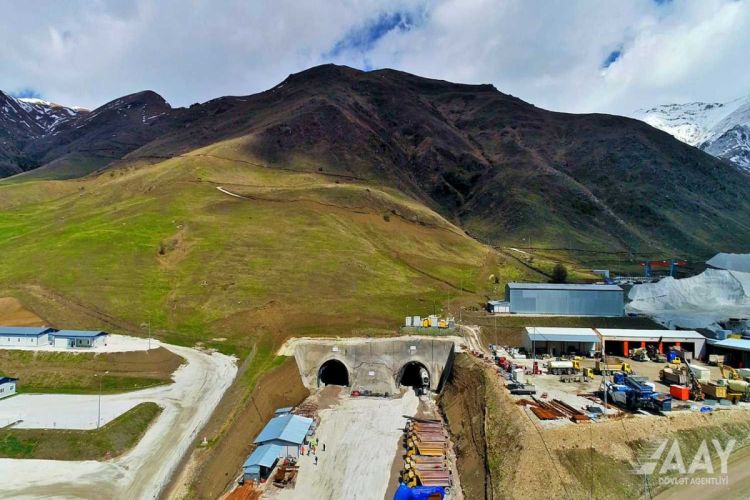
{"x": 559, "y": 273}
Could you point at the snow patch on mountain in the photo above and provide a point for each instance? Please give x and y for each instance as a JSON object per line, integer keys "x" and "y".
{"x": 720, "y": 129}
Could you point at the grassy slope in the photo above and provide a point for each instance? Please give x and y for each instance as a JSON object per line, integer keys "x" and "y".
{"x": 115, "y": 438}
{"x": 77, "y": 373}
{"x": 304, "y": 255}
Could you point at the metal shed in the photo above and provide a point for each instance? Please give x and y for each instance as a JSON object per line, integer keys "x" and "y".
{"x": 619, "y": 341}
{"x": 498, "y": 306}
{"x": 261, "y": 462}
{"x": 288, "y": 431}
{"x": 7, "y": 386}
{"x": 737, "y": 351}
{"x": 565, "y": 299}
{"x": 558, "y": 341}
{"x": 24, "y": 336}
{"x": 78, "y": 338}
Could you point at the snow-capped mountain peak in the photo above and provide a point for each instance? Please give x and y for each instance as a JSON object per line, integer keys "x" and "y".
{"x": 720, "y": 129}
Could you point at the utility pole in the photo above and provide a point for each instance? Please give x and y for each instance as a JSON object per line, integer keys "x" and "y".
{"x": 99, "y": 412}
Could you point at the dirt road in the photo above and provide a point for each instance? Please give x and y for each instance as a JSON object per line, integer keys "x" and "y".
{"x": 362, "y": 437}
{"x": 146, "y": 469}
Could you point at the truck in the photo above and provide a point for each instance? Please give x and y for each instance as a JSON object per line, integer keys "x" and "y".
{"x": 563, "y": 366}
{"x": 634, "y": 393}
{"x": 672, "y": 375}
{"x": 603, "y": 368}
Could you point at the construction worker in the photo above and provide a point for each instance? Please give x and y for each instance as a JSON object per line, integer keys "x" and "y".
{"x": 316, "y": 460}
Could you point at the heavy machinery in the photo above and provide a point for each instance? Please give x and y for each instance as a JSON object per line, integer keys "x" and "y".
{"x": 654, "y": 354}
{"x": 563, "y": 366}
{"x": 633, "y": 393}
{"x": 640, "y": 354}
{"x": 603, "y": 368}
{"x": 739, "y": 388}
{"x": 673, "y": 375}
{"x": 714, "y": 390}
{"x": 696, "y": 390}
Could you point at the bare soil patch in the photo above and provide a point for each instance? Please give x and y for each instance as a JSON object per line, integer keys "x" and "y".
{"x": 13, "y": 313}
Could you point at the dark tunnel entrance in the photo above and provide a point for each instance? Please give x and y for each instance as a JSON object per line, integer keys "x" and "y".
{"x": 415, "y": 375}
{"x": 333, "y": 372}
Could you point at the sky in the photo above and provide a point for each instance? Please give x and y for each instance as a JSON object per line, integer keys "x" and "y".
{"x": 569, "y": 55}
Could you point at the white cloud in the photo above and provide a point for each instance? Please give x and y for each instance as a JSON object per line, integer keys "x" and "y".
{"x": 547, "y": 52}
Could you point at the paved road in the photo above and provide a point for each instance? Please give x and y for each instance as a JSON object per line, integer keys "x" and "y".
{"x": 145, "y": 470}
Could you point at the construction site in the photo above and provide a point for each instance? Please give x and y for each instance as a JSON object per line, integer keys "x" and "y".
{"x": 371, "y": 423}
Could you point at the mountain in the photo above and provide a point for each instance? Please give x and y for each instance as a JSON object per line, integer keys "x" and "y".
{"x": 720, "y": 129}
{"x": 22, "y": 121}
{"x": 500, "y": 168}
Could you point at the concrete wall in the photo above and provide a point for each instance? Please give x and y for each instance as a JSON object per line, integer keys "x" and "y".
{"x": 375, "y": 364}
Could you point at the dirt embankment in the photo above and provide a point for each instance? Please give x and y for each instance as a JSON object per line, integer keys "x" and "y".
{"x": 210, "y": 470}
{"x": 503, "y": 454}
{"x": 490, "y": 434}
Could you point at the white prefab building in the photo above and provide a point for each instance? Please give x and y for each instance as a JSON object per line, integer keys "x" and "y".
{"x": 24, "y": 336}
{"x": 560, "y": 341}
{"x": 72, "y": 339}
{"x": 7, "y": 386}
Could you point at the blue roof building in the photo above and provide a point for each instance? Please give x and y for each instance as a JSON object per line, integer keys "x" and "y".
{"x": 24, "y": 336}
{"x": 288, "y": 431}
{"x": 260, "y": 463}
{"x": 78, "y": 338}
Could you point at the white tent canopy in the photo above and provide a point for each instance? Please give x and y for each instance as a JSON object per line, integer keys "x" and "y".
{"x": 731, "y": 262}
{"x": 696, "y": 302}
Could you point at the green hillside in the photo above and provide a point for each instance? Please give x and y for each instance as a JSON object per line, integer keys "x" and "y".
{"x": 301, "y": 253}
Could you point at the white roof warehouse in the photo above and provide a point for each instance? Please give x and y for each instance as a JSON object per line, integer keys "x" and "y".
{"x": 557, "y": 341}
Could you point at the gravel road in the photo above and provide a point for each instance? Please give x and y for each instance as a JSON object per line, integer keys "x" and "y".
{"x": 146, "y": 469}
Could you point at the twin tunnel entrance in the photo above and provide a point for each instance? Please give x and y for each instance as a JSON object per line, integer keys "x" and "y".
{"x": 413, "y": 374}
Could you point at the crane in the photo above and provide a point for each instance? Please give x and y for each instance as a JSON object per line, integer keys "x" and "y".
{"x": 672, "y": 264}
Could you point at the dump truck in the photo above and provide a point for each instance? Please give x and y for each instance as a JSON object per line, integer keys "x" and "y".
{"x": 563, "y": 366}
{"x": 603, "y": 368}
{"x": 676, "y": 376}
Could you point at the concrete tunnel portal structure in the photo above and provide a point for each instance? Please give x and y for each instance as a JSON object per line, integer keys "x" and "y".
{"x": 377, "y": 366}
